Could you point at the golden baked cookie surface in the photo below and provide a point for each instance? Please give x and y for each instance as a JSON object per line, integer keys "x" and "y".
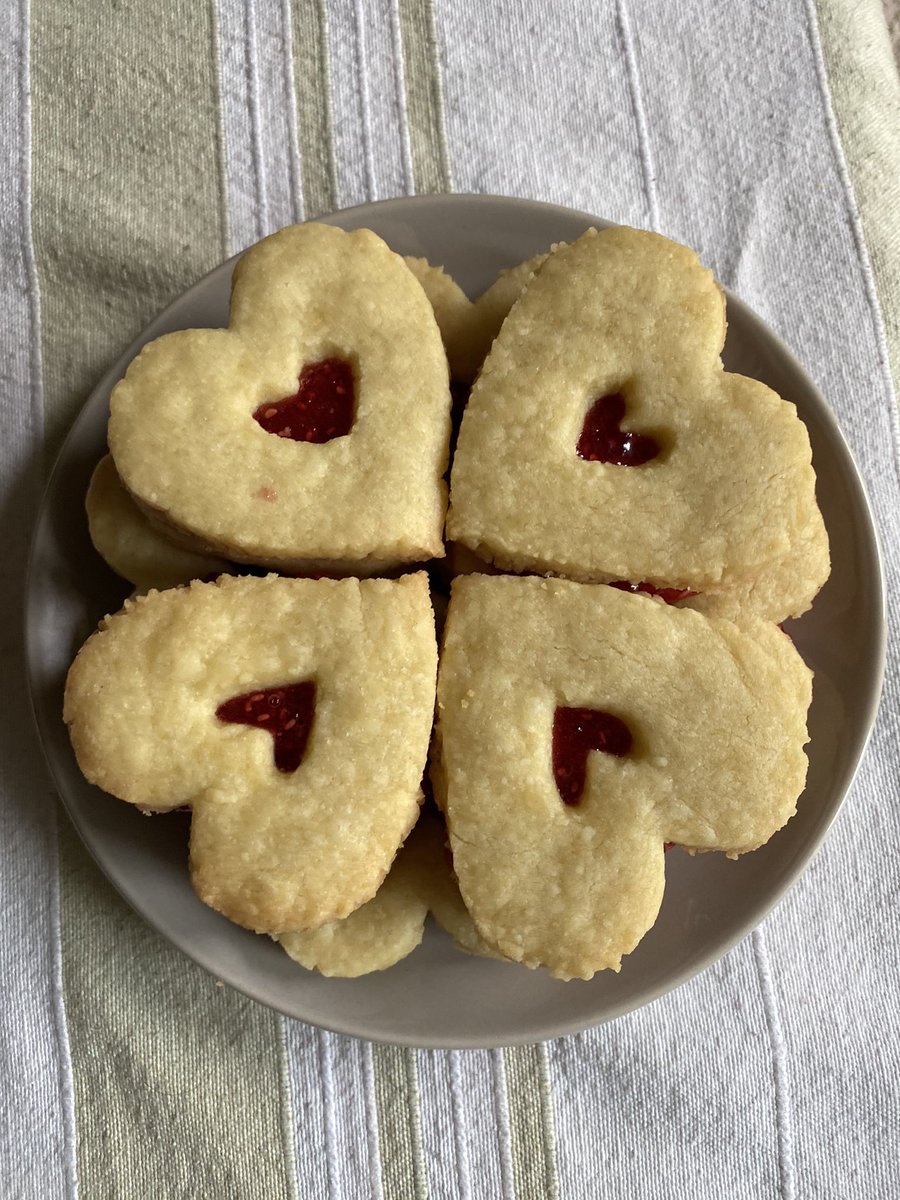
{"x": 131, "y": 545}
{"x": 723, "y": 506}
{"x": 452, "y": 311}
{"x": 186, "y": 444}
{"x": 716, "y": 714}
{"x": 273, "y": 849}
{"x": 391, "y": 924}
{"x": 384, "y": 930}
{"x": 730, "y": 493}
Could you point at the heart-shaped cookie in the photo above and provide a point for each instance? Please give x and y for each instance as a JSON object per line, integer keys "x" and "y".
{"x": 620, "y": 333}
{"x": 580, "y": 729}
{"x": 293, "y": 715}
{"x": 314, "y": 431}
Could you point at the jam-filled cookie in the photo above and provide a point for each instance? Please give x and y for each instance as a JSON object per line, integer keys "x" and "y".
{"x": 147, "y": 555}
{"x": 131, "y": 544}
{"x": 580, "y": 729}
{"x": 313, "y": 432}
{"x": 603, "y": 440}
{"x": 292, "y": 715}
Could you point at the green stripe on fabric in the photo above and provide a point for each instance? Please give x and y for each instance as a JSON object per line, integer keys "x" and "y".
{"x": 125, "y": 178}
{"x": 313, "y": 91}
{"x": 399, "y": 1123}
{"x": 177, "y": 1089}
{"x": 424, "y": 97}
{"x": 865, "y": 95}
{"x": 532, "y": 1133}
{"x": 177, "y": 1082}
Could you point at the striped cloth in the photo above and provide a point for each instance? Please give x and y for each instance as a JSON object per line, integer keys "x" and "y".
{"x": 144, "y": 141}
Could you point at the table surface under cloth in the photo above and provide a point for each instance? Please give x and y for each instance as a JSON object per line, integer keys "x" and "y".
{"x": 141, "y": 143}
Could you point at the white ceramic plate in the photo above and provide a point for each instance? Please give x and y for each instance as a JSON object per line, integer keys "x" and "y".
{"x": 439, "y": 996}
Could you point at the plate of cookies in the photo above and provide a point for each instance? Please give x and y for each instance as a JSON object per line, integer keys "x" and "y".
{"x": 443, "y": 633}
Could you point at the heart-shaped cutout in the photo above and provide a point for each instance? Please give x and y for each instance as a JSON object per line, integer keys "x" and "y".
{"x": 320, "y": 410}
{"x": 285, "y": 712}
{"x": 576, "y": 732}
{"x": 603, "y": 439}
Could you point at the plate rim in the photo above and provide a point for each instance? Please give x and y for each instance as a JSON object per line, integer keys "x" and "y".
{"x": 696, "y": 965}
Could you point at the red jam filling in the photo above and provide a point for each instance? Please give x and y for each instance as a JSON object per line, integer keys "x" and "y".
{"x": 670, "y": 595}
{"x": 286, "y": 712}
{"x": 602, "y": 439}
{"x": 576, "y": 732}
{"x": 321, "y": 409}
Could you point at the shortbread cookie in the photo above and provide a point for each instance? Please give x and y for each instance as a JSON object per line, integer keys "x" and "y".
{"x": 751, "y": 600}
{"x": 391, "y": 924}
{"x": 131, "y": 545}
{"x": 293, "y": 715}
{"x": 385, "y": 929}
{"x": 603, "y": 440}
{"x": 700, "y": 727}
{"x": 311, "y": 434}
{"x": 439, "y": 888}
{"x": 452, "y": 311}
{"x": 476, "y": 333}
{"x": 762, "y": 596}
{"x": 449, "y": 910}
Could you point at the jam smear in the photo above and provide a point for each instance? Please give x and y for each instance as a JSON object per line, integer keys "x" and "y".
{"x": 286, "y": 712}
{"x": 602, "y": 439}
{"x": 669, "y": 594}
{"x": 576, "y": 732}
{"x": 321, "y": 409}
